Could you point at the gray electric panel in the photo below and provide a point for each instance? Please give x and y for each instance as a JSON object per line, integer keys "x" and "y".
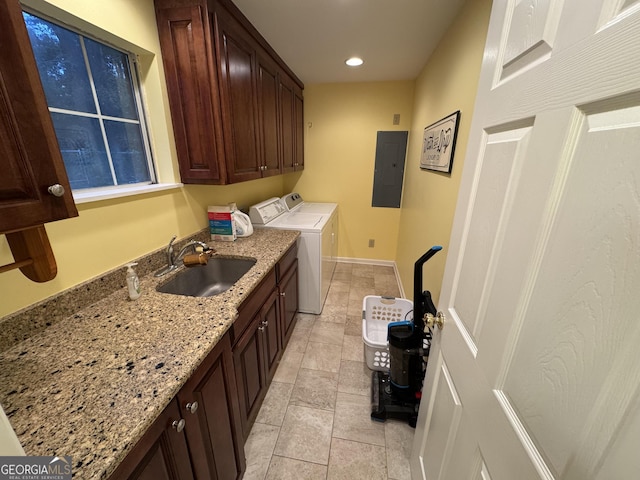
{"x": 391, "y": 150}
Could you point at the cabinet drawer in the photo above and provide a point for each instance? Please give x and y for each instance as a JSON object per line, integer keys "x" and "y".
{"x": 252, "y": 305}
{"x": 286, "y": 261}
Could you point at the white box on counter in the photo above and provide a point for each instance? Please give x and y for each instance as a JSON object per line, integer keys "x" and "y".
{"x": 221, "y": 223}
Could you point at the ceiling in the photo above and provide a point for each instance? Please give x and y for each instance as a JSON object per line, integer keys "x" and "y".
{"x": 314, "y": 37}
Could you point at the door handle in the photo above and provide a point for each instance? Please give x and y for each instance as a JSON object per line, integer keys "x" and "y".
{"x": 437, "y": 320}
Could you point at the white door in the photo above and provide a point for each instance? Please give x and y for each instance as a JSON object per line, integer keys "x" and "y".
{"x": 536, "y": 374}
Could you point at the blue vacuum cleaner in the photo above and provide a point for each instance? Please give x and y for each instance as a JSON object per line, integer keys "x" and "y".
{"x": 397, "y": 394}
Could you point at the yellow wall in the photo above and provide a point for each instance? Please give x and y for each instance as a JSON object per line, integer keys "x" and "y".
{"x": 447, "y": 83}
{"x": 340, "y": 139}
{"x": 342, "y": 121}
{"x": 109, "y": 233}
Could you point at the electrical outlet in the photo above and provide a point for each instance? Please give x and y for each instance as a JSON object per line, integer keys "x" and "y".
{"x": 372, "y": 243}
{"x": 396, "y": 119}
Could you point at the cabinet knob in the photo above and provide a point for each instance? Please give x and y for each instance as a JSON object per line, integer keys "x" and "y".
{"x": 192, "y": 407}
{"x": 56, "y": 190}
{"x": 261, "y": 328}
{"x": 179, "y": 424}
{"x": 283, "y": 294}
{"x": 265, "y": 323}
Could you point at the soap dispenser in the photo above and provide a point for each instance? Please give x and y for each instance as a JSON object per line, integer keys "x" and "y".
{"x": 133, "y": 283}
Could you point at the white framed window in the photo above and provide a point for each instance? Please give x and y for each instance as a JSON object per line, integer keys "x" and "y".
{"x": 93, "y": 95}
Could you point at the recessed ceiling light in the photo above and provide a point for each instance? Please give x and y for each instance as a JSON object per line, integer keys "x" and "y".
{"x": 354, "y": 62}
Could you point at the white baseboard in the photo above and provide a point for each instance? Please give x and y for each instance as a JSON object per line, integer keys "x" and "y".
{"x": 382, "y": 263}
{"x": 367, "y": 261}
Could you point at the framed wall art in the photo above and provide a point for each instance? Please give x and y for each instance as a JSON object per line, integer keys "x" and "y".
{"x": 439, "y": 144}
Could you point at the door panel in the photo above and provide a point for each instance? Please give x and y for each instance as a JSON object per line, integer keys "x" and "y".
{"x": 445, "y": 420}
{"x": 239, "y": 97}
{"x": 540, "y": 288}
{"x": 268, "y": 109}
{"x": 580, "y": 316}
{"x": 30, "y": 158}
{"x": 289, "y": 302}
{"x": 186, "y": 51}
{"x": 248, "y": 359}
{"x": 213, "y": 425}
{"x": 216, "y": 400}
{"x": 298, "y": 108}
{"x": 271, "y": 334}
{"x": 288, "y": 123}
{"x": 161, "y": 454}
{"x": 531, "y": 36}
{"x": 502, "y": 153}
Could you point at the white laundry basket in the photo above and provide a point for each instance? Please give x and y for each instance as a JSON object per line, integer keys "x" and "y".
{"x": 377, "y": 312}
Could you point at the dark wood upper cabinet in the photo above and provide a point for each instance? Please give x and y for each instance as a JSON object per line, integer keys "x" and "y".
{"x": 239, "y": 99}
{"x": 30, "y": 158}
{"x": 187, "y": 52}
{"x": 231, "y": 121}
{"x": 298, "y": 109}
{"x": 287, "y": 115}
{"x": 268, "y": 79}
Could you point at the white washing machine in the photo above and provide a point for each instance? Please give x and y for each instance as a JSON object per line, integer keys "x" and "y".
{"x": 317, "y": 246}
{"x": 293, "y": 202}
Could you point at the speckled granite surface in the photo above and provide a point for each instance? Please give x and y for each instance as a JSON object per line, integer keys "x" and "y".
{"x": 91, "y": 384}
{"x": 27, "y": 322}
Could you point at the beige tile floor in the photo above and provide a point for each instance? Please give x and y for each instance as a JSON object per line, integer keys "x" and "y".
{"x": 314, "y": 422}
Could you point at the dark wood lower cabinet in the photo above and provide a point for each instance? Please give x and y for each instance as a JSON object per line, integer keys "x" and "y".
{"x": 198, "y": 435}
{"x": 288, "y": 290}
{"x": 161, "y": 454}
{"x": 255, "y": 357}
{"x": 208, "y": 402}
{"x": 201, "y": 433}
{"x": 249, "y": 363}
{"x": 271, "y": 335}
{"x": 261, "y": 335}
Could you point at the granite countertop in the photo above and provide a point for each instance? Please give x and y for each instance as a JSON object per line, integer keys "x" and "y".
{"x": 90, "y": 385}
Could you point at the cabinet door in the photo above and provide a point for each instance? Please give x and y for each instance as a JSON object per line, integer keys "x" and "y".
{"x": 237, "y": 64}
{"x": 298, "y": 107}
{"x": 249, "y": 363}
{"x": 271, "y": 334}
{"x": 287, "y": 123}
{"x": 268, "y": 111}
{"x": 161, "y": 454}
{"x": 288, "y": 289}
{"x": 192, "y": 87}
{"x": 30, "y": 158}
{"x": 213, "y": 424}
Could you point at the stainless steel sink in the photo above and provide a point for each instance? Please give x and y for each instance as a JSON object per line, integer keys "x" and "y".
{"x": 217, "y": 276}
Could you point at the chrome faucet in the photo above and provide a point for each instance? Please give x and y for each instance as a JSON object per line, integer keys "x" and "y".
{"x": 172, "y": 261}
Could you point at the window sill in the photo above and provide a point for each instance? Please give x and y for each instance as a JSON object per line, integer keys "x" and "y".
{"x": 97, "y": 195}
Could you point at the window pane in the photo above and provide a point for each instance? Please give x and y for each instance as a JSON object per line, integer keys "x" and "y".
{"x": 127, "y": 152}
{"x": 83, "y": 151}
{"x": 112, "y": 78}
{"x": 61, "y": 65}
